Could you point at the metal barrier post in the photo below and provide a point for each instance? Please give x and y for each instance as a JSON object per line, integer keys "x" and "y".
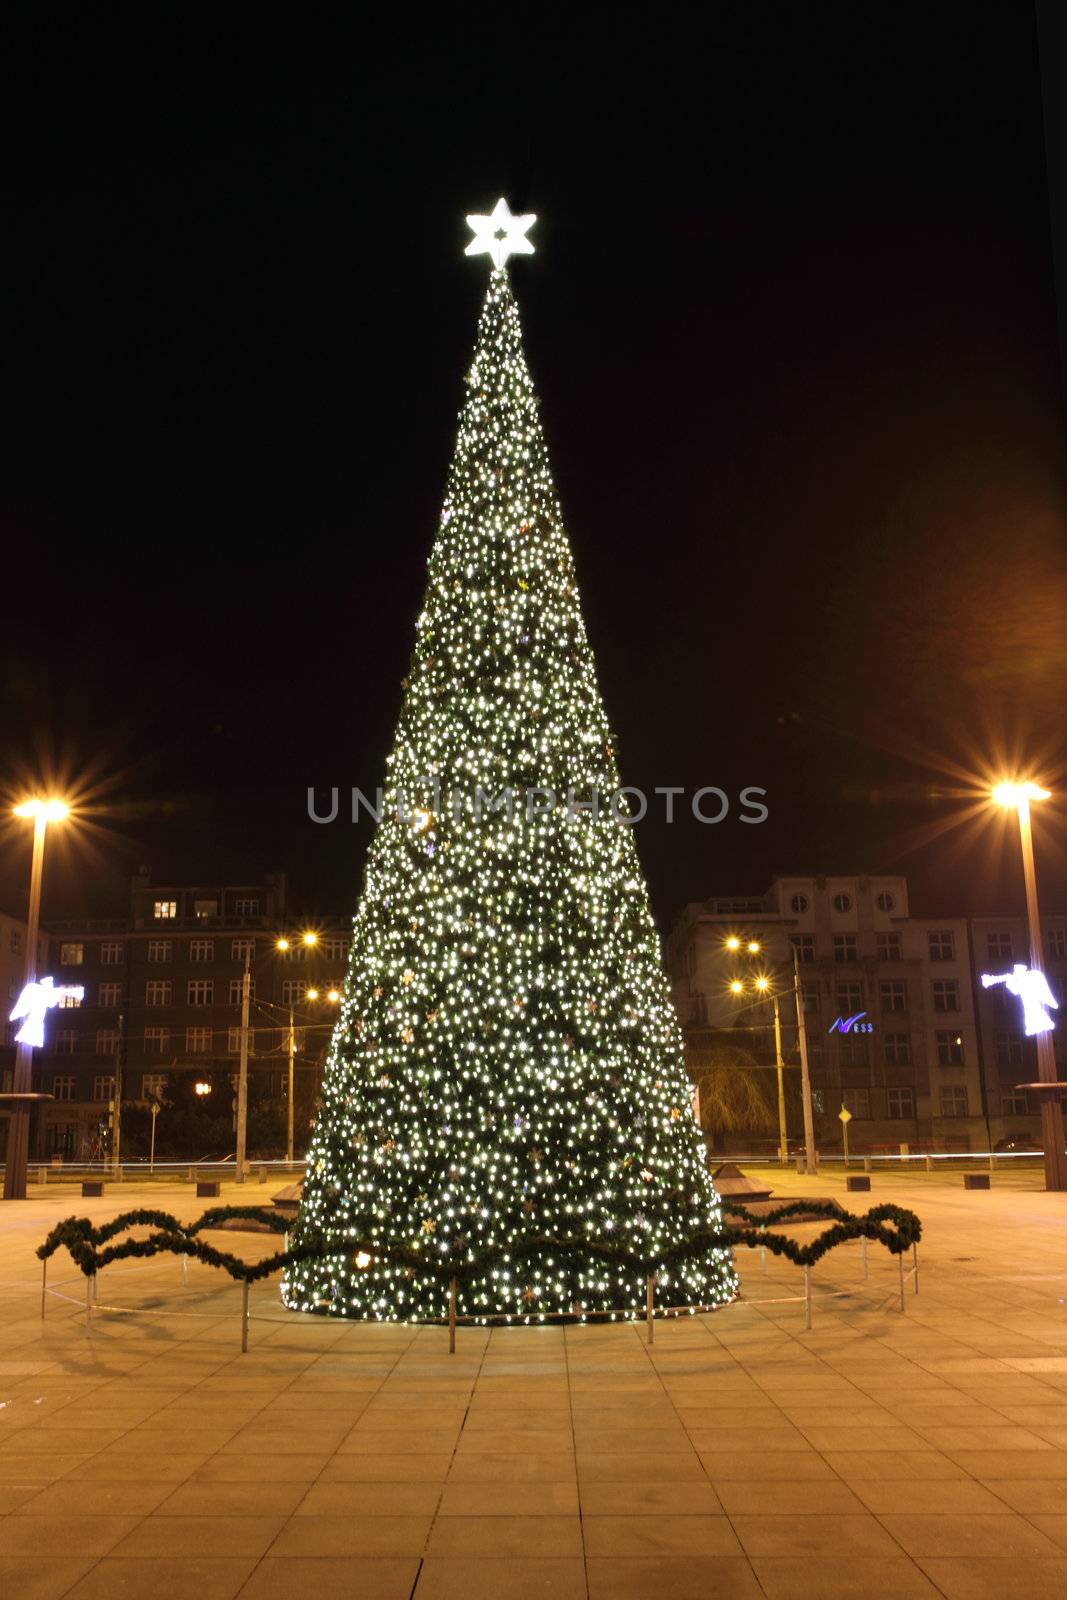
{"x": 900, "y": 1263}
{"x": 915, "y": 1265}
{"x": 650, "y": 1294}
{"x": 44, "y": 1283}
{"x": 244, "y": 1316}
{"x": 807, "y": 1297}
{"x": 88, "y": 1301}
{"x": 866, "y": 1267}
{"x": 185, "y": 1271}
{"x": 763, "y": 1249}
{"x": 452, "y": 1317}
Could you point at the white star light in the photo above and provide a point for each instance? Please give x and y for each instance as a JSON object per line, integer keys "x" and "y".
{"x": 500, "y": 234}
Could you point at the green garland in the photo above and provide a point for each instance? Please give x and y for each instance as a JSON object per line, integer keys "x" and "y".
{"x": 892, "y": 1226}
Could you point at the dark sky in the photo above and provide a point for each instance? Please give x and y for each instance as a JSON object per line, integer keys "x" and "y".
{"x": 793, "y": 325}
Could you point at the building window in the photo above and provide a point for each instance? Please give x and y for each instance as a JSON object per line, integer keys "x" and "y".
{"x": 804, "y": 945}
{"x": 896, "y": 1049}
{"x": 799, "y": 904}
{"x": 946, "y": 994}
{"x": 887, "y": 946}
{"x": 1014, "y": 1103}
{"x": 197, "y": 1040}
{"x": 858, "y": 1101}
{"x": 842, "y": 903}
{"x": 894, "y": 994}
{"x": 204, "y": 910}
{"x": 247, "y": 906}
{"x": 103, "y": 1088}
{"x": 293, "y": 991}
{"x": 999, "y": 947}
{"x": 242, "y": 950}
{"x": 159, "y": 950}
{"x": 153, "y": 1085}
{"x": 818, "y": 1101}
{"x": 885, "y": 901}
{"x": 809, "y": 994}
{"x": 110, "y": 995}
{"x": 63, "y": 1088}
{"x": 1008, "y": 1048}
{"x": 66, "y": 1042}
{"x": 1057, "y": 944}
{"x": 201, "y": 992}
{"x": 201, "y": 949}
{"x": 849, "y": 998}
{"x": 233, "y": 1041}
{"x": 235, "y": 990}
{"x": 337, "y": 949}
{"x": 900, "y": 1102}
{"x": 845, "y": 947}
{"x": 16, "y": 941}
{"x": 942, "y": 945}
{"x": 107, "y": 1041}
{"x": 111, "y": 955}
{"x": 164, "y": 910}
{"x": 852, "y": 1052}
{"x": 156, "y": 1041}
{"x": 70, "y": 1001}
{"x": 953, "y": 1098}
{"x": 949, "y": 1048}
{"x": 157, "y": 992}
{"x": 71, "y": 955}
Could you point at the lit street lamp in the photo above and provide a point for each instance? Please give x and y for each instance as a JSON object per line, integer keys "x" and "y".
{"x": 309, "y": 939}
{"x": 18, "y": 1138}
{"x": 1018, "y": 797}
{"x": 762, "y": 985}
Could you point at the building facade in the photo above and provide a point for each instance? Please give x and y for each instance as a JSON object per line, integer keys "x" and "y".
{"x": 163, "y": 999}
{"x": 13, "y": 935}
{"x": 899, "y": 1030}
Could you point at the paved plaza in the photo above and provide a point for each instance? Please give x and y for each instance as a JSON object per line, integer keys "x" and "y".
{"x": 877, "y": 1455}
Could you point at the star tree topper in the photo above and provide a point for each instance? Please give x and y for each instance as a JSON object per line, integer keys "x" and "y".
{"x": 500, "y": 234}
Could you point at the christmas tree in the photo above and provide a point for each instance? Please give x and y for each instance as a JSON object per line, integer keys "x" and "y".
{"x": 506, "y": 1065}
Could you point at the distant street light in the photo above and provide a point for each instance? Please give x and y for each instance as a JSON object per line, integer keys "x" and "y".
{"x": 18, "y": 1137}
{"x": 309, "y": 940}
{"x": 1018, "y": 797}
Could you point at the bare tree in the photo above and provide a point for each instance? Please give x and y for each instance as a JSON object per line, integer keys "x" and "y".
{"x": 728, "y": 1077}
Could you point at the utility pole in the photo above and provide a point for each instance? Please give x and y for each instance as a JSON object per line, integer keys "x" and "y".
{"x": 116, "y": 1091}
{"x": 18, "y": 1134}
{"x": 292, "y": 1051}
{"x": 242, "y": 1076}
{"x": 1050, "y": 1098}
{"x": 811, "y": 1160}
{"x": 783, "y": 1137}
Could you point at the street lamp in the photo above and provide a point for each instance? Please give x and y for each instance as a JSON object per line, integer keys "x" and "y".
{"x": 1018, "y": 797}
{"x": 18, "y": 1138}
{"x": 308, "y": 940}
{"x": 762, "y": 986}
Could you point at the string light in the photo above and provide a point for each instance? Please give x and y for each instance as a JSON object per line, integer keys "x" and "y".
{"x": 506, "y": 1062}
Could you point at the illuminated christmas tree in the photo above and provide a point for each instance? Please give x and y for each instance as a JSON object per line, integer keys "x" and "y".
{"x": 507, "y": 1065}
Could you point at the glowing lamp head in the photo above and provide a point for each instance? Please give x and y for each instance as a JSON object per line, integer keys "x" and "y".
{"x": 1014, "y": 795}
{"x": 753, "y": 947}
{"x": 763, "y": 984}
{"x": 46, "y": 810}
{"x": 282, "y": 944}
{"x": 310, "y": 938}
{"x": 202, "y": 1088}
{"x": 333, "y": 995}
{"x": 737, "y": 987}
{"x": 311, "y": 994}
{"x": 733, "y": 942}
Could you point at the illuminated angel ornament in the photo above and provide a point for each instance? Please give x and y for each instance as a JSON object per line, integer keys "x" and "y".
{"x": 34, "y": 1002}
{"x": 500, "y": 235}
{"x": 1031, "y": 987}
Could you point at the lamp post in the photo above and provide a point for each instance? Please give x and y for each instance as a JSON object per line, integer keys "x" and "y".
{"x": 762, "y": 986}
{"x": 1018, "y": 796}
{"x": 18, "y": 1138}
{"x": 308, "y": 940}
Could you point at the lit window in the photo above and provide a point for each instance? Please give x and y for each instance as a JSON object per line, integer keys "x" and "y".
{"x": 164, "y": 910}
{"x": 204, "y": 910}
{"x": 69, "y": 1001}
{"x": 949, "y": 1048}
{"x": 71, "y": 955}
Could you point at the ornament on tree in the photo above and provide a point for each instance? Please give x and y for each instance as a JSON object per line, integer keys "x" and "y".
{"x": 515, "y": 931}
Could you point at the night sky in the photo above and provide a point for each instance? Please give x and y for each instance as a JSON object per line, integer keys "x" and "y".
{"x": 793, "y": 325}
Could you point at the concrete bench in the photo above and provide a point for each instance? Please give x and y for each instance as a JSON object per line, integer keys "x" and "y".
{"x": 856, "y": 1183}
{"x": 92, "y": 1188}
{"x": 208, "y": 1188}
{"x": 976, "y": 1180}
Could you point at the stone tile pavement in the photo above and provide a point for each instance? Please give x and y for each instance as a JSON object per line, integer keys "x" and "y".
{"x": 879, "y": 1454}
